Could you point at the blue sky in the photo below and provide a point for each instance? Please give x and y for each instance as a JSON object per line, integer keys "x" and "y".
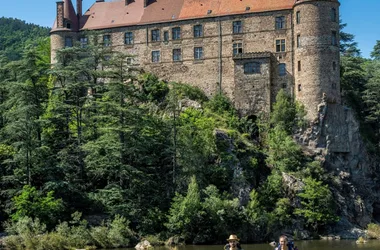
{"x": 361, "y": 17}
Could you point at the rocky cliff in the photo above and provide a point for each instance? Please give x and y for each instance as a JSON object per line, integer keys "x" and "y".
{"x": 334, "y": 138}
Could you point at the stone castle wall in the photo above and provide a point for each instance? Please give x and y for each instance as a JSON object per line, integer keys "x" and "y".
{"x": 219, "y": 71}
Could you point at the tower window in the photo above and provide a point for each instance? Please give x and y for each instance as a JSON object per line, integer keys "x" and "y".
{"x": 68, "y": 25}
{"x": 334, "y": 66}
{"x": 177, "y": 55}
{"x": 333, "y": 15}
{"x": 280, "y": 22}
{"x": 299, "y": 65}
{"x": 334, "y": 40}
{"x": 68, "y": 41}
{"x": 252, "y": 68}
{"x": 237, "y": 48}
{"x": 282, "y": 69}
{"x": 280, "y": 45}
{"x": 284, "y": 85}
{"x": 198, "y": 30}
{"x": 176, "y": 33}
{"x": 333, "y": 85}
{"x": 298, "y": 40}
{"x": 299, "y": 87}
{"x": 298, "y": 17}
{"x": 237, "y": 27}
{"x": 156, "y": 56}
{"x": 128, "y": 38}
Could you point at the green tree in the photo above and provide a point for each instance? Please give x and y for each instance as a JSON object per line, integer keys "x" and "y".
{"x": 375, "y": 54}
{"x": 34, "y": 204}
{"x": 284, "y": 154}
{"x": 372, "y": 99}
{"x": 317, "y": 206}
{"x": 348, "y": 46}
{"x": 186, "y": 212}
{"x": 286, "y": 113}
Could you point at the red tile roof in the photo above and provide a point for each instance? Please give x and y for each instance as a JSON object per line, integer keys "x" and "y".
{"x": 116, "y": 14}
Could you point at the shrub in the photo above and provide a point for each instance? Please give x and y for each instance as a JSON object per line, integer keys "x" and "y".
{"x": 32, "y": 203}
{"x": 112, "y": 234}
{"x": 373, "y": 231}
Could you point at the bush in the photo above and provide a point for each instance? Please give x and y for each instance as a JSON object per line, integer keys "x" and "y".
{"x": 31, "y": 234}
{"x": 373, "y": 231}
{"x": 32, "y": 203}
{"x": 154, "y": 240}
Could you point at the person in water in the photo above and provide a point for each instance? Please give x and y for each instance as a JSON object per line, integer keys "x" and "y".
{"x": 233, "y": 243}
{"x": 284, "y": 244}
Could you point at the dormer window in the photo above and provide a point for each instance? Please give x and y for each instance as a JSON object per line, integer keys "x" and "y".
{"x": 68, "y": 25}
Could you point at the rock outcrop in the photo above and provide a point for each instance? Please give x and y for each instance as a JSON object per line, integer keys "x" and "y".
{"x": 334, "y": 139}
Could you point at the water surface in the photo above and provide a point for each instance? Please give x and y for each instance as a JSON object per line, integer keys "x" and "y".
{"x": 302, "y": 245}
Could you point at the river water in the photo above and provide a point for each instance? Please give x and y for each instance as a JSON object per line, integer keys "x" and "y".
{"x": 302, "y": 245}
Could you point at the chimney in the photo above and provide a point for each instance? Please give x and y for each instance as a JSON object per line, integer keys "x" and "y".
{"x": 79, "y": 8}
{"x": 60, "y": 14}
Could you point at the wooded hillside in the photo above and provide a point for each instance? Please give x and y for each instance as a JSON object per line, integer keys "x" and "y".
{"x": 15, "y": 34}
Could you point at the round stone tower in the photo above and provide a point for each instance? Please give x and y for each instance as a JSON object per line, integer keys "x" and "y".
{"x": 316, "y": 53}
{"x": 65, "y": 29}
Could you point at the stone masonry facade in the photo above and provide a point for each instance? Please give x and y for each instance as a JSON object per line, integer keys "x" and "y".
{"x": 249, "y": 56}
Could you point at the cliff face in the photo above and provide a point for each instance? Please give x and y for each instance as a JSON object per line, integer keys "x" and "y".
{"x": 334, "y": 138}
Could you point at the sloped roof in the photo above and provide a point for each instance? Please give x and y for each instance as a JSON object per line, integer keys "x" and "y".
{"x": 116, "y": 14}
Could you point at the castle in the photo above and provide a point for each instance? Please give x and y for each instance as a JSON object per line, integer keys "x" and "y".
{"x": 247, "y": 49}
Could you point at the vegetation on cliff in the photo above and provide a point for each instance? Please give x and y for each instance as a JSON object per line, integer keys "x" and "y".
{"x": 137, "y": 156}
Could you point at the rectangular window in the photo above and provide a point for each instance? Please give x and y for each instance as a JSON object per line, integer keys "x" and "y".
{"x": 198, "y": 30}
{"x": 176, "y": 33}
{"x": 166, "y": 36}
{"x": 280, "y": 45}
{"x": 83, "y": 42}
{"x": 280, "y": 22}
{"x": 198, "y": 53}
{"x": 237, "y": 48}
{"x": 237, "y": 27}
{"x": 333, "y": 38}
{"x": 107, "y": 40}
{"x": 299, "y": 65}
{"x": 282, "y": 69}
{"x": 333, "y": 15}
{"x": 177, "y": 55}
{"x": 298, "y": 41}
{"x": 252, "y": 68}
{"x": 128, "y": 38}
{"x": 334, "y": 66}
{"x": 156, "y": 56}
{"x": 155, "y": 35}
{"x": 68, "y": 42}
{"x": 298, "y": 17}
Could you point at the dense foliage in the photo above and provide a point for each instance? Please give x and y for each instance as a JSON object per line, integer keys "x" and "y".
{"x": 140, "y": 157}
